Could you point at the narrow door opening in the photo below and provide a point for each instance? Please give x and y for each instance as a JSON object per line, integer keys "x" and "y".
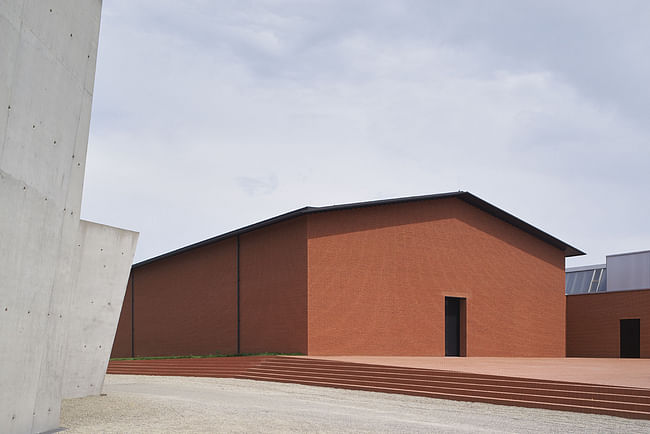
{"x": 631, "y": 338}
{"x": 454, "y": 326}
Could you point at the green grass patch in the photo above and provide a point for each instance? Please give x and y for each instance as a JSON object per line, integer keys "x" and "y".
{"x": 206, "y": 356}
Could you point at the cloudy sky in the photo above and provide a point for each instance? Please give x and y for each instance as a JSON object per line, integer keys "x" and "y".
{"x": 211, "y": 115}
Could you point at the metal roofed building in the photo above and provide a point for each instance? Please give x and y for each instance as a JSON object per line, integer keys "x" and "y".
{"x": 443, "y": 274}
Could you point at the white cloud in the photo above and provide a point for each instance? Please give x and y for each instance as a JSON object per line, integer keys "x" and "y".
{"x": 209, "y": 117}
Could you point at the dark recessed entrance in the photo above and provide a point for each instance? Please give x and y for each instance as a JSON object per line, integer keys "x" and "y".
{"x": 454, "y": 326}
{"x": 630, "y": 338}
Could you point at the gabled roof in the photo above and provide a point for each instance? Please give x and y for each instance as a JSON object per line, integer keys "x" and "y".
{"x": 462, "y": 195}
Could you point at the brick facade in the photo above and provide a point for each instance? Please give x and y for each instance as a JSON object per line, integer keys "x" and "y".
{"x": 273, "y": 288}
{"x": 378, "y": 277}
{"x": 185, "y": 304}
{"x": 593, "y": 320}
{"x": 365, "y": 281}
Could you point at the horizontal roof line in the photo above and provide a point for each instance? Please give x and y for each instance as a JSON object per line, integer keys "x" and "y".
{"x": 608, "y": 292}
{"x": 629, "y": 253}
{"x": 585, "y": 268}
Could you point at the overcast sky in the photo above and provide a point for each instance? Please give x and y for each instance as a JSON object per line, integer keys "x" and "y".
{"x": 211, "y": 115}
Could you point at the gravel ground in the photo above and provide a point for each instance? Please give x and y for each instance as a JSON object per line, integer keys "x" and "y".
{"x": 144, "y": 404}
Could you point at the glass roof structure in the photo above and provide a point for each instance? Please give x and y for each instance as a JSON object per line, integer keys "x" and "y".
{"x": 586, "y": 280}
{"x": 622, "y": 272}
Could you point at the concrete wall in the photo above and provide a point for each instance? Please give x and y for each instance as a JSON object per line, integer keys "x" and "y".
{"x": 378, "y": 277}
{"x": 105, "y": 255}
{"x": 47, "y": 63}
{"x": 593, "y": 322}
{"x": 123, "y": 342}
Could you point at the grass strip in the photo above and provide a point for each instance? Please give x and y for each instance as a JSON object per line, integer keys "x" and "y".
{"x": 206, "y": 356}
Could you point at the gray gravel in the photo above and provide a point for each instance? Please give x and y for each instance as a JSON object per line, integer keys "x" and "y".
{"x": 144, "y": 404}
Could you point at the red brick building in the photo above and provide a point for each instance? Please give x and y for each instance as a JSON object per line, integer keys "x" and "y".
{"x": 429, "y": 275}
{"x": 608, "y": 307}
{"x": 595, "y": 323}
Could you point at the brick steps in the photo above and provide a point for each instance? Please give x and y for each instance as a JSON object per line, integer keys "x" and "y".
{"x": 462, "y": 386}
{"x": 415, "y": 374}
{"x": 455, "y": 385}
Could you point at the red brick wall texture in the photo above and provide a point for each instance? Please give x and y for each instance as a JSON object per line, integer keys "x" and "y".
{"x": 593, "y": 322}
{"x": 363, "y": 281}
{"x": 184, "y": 304}
{"x": 378, "y": 277}
{"x": 273, "y": 288}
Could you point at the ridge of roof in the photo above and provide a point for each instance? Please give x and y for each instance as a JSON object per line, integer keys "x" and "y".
{"x": 462, "y": 195}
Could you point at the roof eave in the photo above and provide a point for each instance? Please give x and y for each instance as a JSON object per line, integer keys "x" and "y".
{"x": 467, "y": 197}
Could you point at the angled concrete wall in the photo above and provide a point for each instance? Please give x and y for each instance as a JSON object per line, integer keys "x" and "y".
{"x": 104, "y": 258}
{"x": 47, "y": 65}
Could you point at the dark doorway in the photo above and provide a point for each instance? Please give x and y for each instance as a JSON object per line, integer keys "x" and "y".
{"x": 454, "y": 326}
{"x": 630, "y": 338}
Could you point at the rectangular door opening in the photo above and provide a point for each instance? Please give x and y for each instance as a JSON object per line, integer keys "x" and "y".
{"x": 454, "y": 326}
{"x": 630, "y": 338}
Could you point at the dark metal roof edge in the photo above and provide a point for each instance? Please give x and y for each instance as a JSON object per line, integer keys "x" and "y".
{"x": 519, "y": 223}
{"x": 385, "y": 202}
{"x": 277, "y": 219}
{"x": 629, "y": 253}
{"x": 463, "y": 195}
{"x": 289, "y": 215}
